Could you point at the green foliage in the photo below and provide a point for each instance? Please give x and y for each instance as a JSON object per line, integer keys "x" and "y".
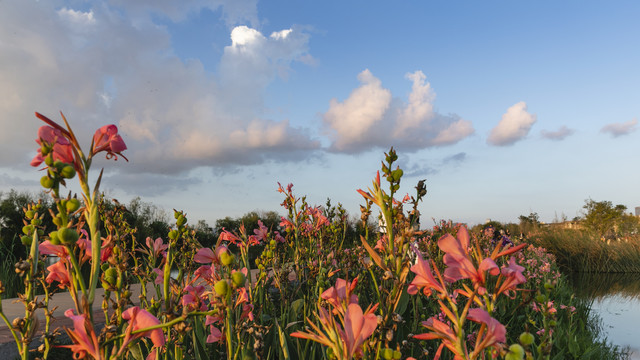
{"x": 602, "y": 217}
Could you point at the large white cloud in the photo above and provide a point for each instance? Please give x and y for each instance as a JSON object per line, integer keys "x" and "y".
{"x": 620, "y": 129}
{"x": 111, "y": 64}
{"x": 514, "y": 126}
{"x": 370, "y": 117}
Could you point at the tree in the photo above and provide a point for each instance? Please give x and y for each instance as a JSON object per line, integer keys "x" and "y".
{"x": 602, "y": 217}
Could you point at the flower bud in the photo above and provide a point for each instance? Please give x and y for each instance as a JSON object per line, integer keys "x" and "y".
{"x": 67, "y": 236}
{"x": 526, "y": 338}
{"x": 226, "y": 259}
{"x": 68, "y": 172}
{"x": 53, "y": 238}
{"x": 238, "y": 279}
{"x": 387, "y": 354}
{"x": 47, "y": 182}
{"x": 516, "y": 352}
{"x": 221, "y": 288}
{"x": 72, "y": 205}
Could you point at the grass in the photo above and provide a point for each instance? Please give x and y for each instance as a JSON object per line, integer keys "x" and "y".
{"x": 581, "y": 251}
{"x": 12, "y": 283}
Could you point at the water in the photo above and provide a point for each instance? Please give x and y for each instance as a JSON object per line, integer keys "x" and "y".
{"x": 616, "y": 300}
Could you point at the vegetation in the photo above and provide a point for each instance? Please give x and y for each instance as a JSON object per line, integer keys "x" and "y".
{"x": 319, "y": 287}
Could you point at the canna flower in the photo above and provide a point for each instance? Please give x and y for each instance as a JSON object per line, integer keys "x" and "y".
{"x": 85, "y": 341}
{"x": 157, "y": 247}
{"x": 512, "y": 276}
{"x": 58, "y": 272}
{"x": 424, "y": 278}
{"x": 493, "y": 332}
{"x": 140, "y": 319}
{"x": 107, "y": 139}
{"x": 62, "y": 150}
{"x": 339, "y": 296}
{"x": 261, "y": 233}
{"x": 192, "y": 298}
{"x": 440, "y": 330}
{"x": 458, "y": 260}
{"x": 215, "y": 334}
{"x": 47, "y": 248}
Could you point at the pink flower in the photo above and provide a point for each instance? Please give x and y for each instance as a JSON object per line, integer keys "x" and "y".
{"x": 62, "y": 148}
{"x": 107, "y": 139}
{"x": 156, "y": 246}
{"x": 358, "y": 326}
{"x": 512, "y": 276}
{"x": 424, "y": 278}
{"x": 458, "y": 260}
{"x": 261, "y": 233}
{"x": 58, "y": 272}
{"x": 160, "y": 276}
{"x": 215, "y": 335}
{"x": 47, "y": 248}
{"x": 193, "y": 298}
{"x": 207, "y": 256}
{"x": 85, "y": 341}
{"x": 140, "y": 319}
{"x": 440, "y": 330}
{"x": 494, "y": 332}
{"x": 340, "y": 294}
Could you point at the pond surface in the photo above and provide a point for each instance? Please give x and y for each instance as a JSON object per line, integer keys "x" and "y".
{"x": 616, "y": 300}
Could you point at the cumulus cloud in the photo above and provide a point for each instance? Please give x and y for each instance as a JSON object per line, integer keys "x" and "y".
{"x": 514, "y": 126}
{"x": 370, "y": 117}
{"x": 112, "y": 64}
{"x": 620, "y": 129}
{"x": 557, "y": 135}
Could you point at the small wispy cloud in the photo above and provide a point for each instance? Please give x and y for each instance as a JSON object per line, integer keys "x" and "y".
{"x": 514, "y": 126}
{"x": 557, "y": 135}
{"x": 455, "y": 159}
{"x": 372, "y": 118}
{"x": 620, "y": 129}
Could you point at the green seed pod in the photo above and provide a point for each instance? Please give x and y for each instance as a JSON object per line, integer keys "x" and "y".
{"x": 226, "y": 259}
{"x": 26, "y": 240}
{"x": 221, "y": 288}
{"x": 526, "y": 338}
{"x": 72, "y": 205}
{"x": 238, "y": 279}
{"x": 48, "y": 159}
{"x": 30, "y": 214}
{"x": 397, "y": 355}
{"x": 57, "y": 221}
{"x": 36, "y": 222}
{"x": 40, "y": 232}
{"x": 53, "y": 238}
{"x": 181, "y": 220}
{"x": 540, "y": 298}
{"x": 27, "y": 229}
{"x": 387, "y": 354}
{"x": 67, "y": 236}
{"x": 111, "y": 276}
{"x": 68, "y": 172}
{"x": 47, "y": 182}
{"x": 173, "y": 234}
{"x": 104, "y": 266}
{"x": 516, "y": 352}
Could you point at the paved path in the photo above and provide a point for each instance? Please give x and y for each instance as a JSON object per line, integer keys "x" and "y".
{"x": 63, "y": 301}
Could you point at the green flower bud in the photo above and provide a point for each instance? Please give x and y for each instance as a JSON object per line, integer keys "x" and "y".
{"x": 67, "y": 236}
{"x": 53, "y": 238}
{"x": 72, "y": 205}
{"x": 226, "y": 259}
{"x": 526, "y": 338}
{"x": 516, "y": 352}
{"x": 30, "y": 214}
{"x": 387, "y": 354}
{"x": 26, "y": 240}
{"x": 68, "y": 172}
{"x": 27, "y": 229}
{"x": 47, "y": 182}
{"x": 238, "y": 279}
{"x": 221, "y": 288}
{"x": 48, "y": 159}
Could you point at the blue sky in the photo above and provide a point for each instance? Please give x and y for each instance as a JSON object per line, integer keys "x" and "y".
{"x": 505, "y": 107}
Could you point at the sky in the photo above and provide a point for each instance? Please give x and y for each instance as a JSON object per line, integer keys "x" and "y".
{"x": 504, "y": 107}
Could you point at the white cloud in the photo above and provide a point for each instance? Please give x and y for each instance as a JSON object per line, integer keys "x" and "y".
{"x": 557, "y": 135}
{"x": 514, "y": 126}
{"x": 173, "y": 114}
{"x": 370, "y": 117}
{"x": 620, "y": 129}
